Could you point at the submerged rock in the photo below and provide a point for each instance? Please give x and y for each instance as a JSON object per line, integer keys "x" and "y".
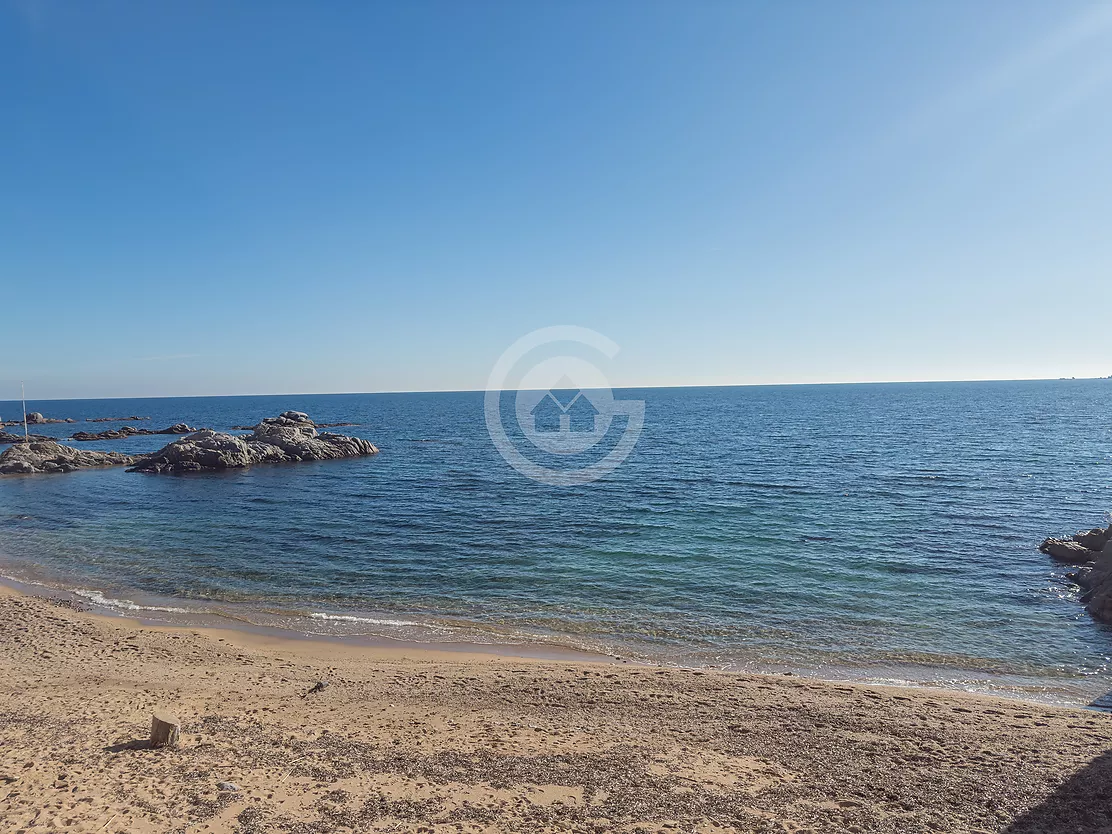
{"x": 131, "y": 431}
{"x": 131, "y": 419}
{"x": 287, "y": 438}
{"x": 49, "y": 456}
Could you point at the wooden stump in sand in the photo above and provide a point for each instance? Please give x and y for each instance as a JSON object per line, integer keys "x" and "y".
{"x": 165, "y": 730}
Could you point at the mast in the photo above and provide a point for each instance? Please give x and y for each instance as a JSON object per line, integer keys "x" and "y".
{"x": 23, "y": 394}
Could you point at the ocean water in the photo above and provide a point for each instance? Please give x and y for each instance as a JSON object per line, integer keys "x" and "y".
{"x": 873, "y": 532}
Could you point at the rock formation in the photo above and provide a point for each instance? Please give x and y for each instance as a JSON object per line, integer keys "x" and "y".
{"x": 35, "y": 418}
{"x": 1092, "y": 551}
{"x": 131, "y": 419}
{"x": 49, "y": 456}
{"x": 7, "y": 437}
{"x": 131, "y": 431}
{"x": 290, "y": 437}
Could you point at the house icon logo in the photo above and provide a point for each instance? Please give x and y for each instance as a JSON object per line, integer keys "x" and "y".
{"x": 565, "y": 420}
{"x": 564, "y": 407}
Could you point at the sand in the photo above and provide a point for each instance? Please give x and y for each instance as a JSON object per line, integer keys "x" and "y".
{"x": 404, "y": 740}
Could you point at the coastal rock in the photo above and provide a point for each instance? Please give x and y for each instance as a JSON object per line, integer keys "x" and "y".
{"x": 35, "y": 418}
{"x": 131, "y": 431}
{"x": 1094, "y": 539}
{"x": 1068, "y": 551}
{"x": 294, "y": 418}
{"x": 1092, "y": 549}
{"x": 49, "y": 456}
{"x": 290, "y": 437}
{"x": 7, "y": 437}
{"x": 131, "y": 419}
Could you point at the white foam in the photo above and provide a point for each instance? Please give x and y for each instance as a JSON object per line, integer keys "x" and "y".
{"x": 347, "y": 618}
{"x": 97, "y": 598}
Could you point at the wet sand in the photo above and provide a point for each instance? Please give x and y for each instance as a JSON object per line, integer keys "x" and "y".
{"x": 412, "y": 740}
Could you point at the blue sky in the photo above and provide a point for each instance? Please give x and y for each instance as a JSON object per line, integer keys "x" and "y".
{"x": 212, "y": 198}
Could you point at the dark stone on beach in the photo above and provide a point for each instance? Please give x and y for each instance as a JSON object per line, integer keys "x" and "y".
{"x": 288, "y": 438}
{"x": 131, "y": 431}
{"x": 49, "y": 456}
{"x": 1068, "y": 551}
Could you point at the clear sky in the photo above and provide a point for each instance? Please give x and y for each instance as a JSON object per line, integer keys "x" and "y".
{"x": 262, "y": 197}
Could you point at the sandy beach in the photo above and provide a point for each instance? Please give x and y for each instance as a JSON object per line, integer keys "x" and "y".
{"x": 417, "y": 741}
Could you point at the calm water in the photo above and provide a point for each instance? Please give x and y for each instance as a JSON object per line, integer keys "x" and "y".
{"x": 883, "y": 532}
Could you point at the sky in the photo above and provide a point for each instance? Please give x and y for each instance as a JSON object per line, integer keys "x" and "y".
{"x": 273, "y": 197}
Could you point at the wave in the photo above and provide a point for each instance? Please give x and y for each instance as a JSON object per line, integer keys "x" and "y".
{"x": 348, "y": 618}
{"x": 97, "y": 598}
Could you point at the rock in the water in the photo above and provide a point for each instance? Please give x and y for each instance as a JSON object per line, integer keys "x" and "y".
{"x": 1094, "y": 539}
{"x": 48, "y": 456}
{"x": 7, "y": 437}
{"x": 130, "y": 419}
{"x": 131, "y": 431}
{"x": 1068, "y": 551}
{"x": 290, "y": 437}
{"x": 35, "y": 418}
{"x": 1093, "y": 550}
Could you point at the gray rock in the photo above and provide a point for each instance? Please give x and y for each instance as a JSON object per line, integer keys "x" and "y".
{"x": 35, "y": 418}
{"x": 1068, "y": 551}
{"x": 49, "y": 456}
{"x": 290, "y": 437}
{"x": 131, "y": 431}
{"x": 1094, "y": 539}
{"x": 230, "y": 787}
{"x": 6, "y": 437}
{"x": 1093, "y": 550}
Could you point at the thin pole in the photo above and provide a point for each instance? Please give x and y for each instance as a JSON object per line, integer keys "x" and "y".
{"x": 23, "y": 394}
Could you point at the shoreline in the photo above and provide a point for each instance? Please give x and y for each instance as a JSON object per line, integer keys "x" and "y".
{"x": 411, "y": 740}
{"x": 290, "y": 638}
{"x": 279, "y": 636}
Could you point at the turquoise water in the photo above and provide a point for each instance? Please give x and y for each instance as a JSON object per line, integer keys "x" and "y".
{"x": 883, "y": 532}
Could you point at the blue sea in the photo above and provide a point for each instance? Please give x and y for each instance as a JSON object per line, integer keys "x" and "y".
{"x": 869, "y": 532}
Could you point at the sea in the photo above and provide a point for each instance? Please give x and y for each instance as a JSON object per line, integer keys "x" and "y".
{"x": 880, "y": 532}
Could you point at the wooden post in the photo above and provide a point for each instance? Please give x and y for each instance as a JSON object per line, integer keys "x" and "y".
{"x": 165, "y": 730}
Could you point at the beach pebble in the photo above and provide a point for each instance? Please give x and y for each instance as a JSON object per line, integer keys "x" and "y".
{"x": 230, "y": 787}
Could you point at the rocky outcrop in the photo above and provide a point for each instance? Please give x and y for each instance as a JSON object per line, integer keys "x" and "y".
{"x": 298, "y": 415}
{"x": 287, "y": 438}
{"x": 6, "y": 437}
{"x": 1092, "y": 551}
{"x": 131, "y": 431}
{"x": 49, "y": 456}
{"x": 131, "y": 419}
{"x": 1068, "y": 551}
{"x": 35, "y": 418}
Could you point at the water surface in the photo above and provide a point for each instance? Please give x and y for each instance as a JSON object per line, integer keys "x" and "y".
{"x": 883, "y": 532}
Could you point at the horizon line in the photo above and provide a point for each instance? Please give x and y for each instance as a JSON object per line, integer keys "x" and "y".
{"x": 613, "y": 388}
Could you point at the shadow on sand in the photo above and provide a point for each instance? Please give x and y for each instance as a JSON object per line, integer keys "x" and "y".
{"x": 1083, "y": 805}
{"x": 137, "y": 744}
